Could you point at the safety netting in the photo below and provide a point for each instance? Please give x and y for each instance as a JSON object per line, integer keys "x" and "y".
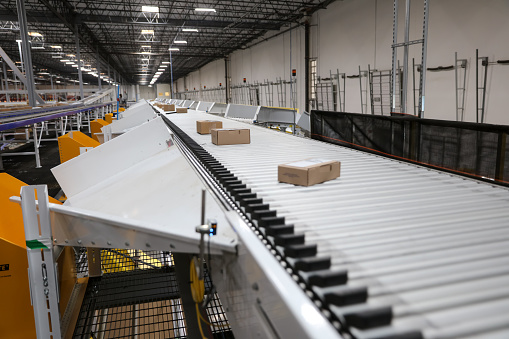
{"x": 465, "y": 148}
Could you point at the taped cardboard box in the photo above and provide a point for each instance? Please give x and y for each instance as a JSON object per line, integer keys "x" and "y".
{"x": 181, "y": 109}
{"x": 167, "y": 108}
{"x": 309, "y": 172}
{"x": 204, "y": 126}
{"x": 230, "y": 136}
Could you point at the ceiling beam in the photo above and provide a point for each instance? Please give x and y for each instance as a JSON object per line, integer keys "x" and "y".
{"x": 55, "y": 17}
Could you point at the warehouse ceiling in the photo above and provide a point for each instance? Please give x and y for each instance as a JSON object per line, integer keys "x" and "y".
{"x": 133, "y": 37}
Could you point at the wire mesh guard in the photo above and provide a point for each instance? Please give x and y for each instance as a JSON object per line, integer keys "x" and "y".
{"x": 466, "y": 148}
{"x": 138, "y": 296}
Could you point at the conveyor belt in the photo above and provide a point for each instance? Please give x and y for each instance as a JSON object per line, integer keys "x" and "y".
{"x": 394, "y": 250}
{"x": 15, "y": 119}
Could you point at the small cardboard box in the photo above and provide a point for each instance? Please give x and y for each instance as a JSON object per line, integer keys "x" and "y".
{"x": 204, "y": 126}
{"x": 309, "y": 172}
{"x": 167, "y": 108}
{"x": 230, "y": 136}
{"x": 181, "y": 109}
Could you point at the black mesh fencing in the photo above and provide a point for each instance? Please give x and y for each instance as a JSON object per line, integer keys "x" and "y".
{"x": 137, "y": 296}
{"x": 465, "y": 148}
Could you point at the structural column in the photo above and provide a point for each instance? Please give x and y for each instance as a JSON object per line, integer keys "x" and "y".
{"x": 98, "y": 70}
{"x": 78, "y": 59}
{"x": 307, "y": 59}
{"x": 22, "y": 19}
{"x": 7, "y": 96}
{"x": 227, "y": 79}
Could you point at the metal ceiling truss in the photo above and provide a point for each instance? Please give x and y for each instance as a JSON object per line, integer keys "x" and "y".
{"x": 117, "y": 30}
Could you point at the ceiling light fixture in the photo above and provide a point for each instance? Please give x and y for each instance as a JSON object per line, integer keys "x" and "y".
{"x": 65, "y": 60}
{"x": 173, "y": 49}
{"x": 179, "y": 41}
{"x": 150, "y": 9}
{"x": 147, "y": 31}
{"x": 56, "y": 47}
{"x": 205, "y": 10}
{"x": 35, "y": 34}
{"x": 145, "y": 46}
{"x": 165, "y": 62}
{"x": 189, "y": 30}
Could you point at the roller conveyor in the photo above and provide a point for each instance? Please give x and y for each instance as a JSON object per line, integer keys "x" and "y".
{"x": 11, "y": 120}
{"x": 413, "y": 252}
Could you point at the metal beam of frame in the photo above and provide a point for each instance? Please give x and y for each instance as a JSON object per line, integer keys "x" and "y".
{"x": 16, "y": 71}
{"x": 53, "y": 17}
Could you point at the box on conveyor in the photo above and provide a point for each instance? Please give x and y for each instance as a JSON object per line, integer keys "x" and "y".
{"x": 204, "y": 126}
{"x": 181, "y": 109}
{"x": 167, "y": 108}
{"x": 230, "y": 136}
{"x": 309, "y": 172}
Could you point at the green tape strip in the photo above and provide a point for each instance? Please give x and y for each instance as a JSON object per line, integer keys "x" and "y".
{"x": 35, "y": 244}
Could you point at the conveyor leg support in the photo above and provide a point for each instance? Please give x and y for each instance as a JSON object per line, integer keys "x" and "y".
{"x": 41, "y": 265}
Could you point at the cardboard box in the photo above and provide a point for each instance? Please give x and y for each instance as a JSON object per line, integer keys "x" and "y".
{"x": 309, "y": 171}
{"x": 181, "y": 109}
{"x": 204, "y": 126}
{"x": 167, "y": 108}
{"x": 230, "y": 136}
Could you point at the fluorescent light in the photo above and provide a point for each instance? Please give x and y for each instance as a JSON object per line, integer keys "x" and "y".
{"x": 43, "y": 73}
{"x": 70, "y": 55}
{"x": 189, "y": 30}
{"x": 37, "y": 47}
{"x": 159, "y": 73}
{"x": 145, "y": 59}
{"x": 165, "y": 62}
{"x": 205, "y": 10}
{"x": 163, "y": 66}
{"x": 35, "y": 34}
{"x": 65, "y": 60}
{"x": 150, "y": 9}
{"x": 147, "y": 31}
{"x": 18, "y": 40}
{"x": 161, "y": 70}
{"x": 75, "y": 66}
{"x": 56, "y": 56}
{"x": 179, "y": 41}
{"x": 173, "y": 49}
{"x": 69, "y": 63}
{"x": 145, "y": 46}
{"x": 56, "y": 47}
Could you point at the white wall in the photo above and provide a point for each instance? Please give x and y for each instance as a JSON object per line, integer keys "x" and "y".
{"x": 353, "y": 33}
{"x": 163, "y": 89}
{"x": 147, "y": 93}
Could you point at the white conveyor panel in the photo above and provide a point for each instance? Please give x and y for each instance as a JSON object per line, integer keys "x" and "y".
{"x": 138, "y": 179}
